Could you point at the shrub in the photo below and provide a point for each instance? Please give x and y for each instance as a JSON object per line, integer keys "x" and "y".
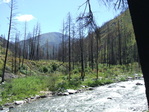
{"x": 51, "y": 82}
{"x": 75, "y": 71}
{"x": 54, "y": 66}
{"x": 43, "y": 69}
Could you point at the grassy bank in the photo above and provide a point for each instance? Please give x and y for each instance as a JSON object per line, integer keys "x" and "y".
{"x": 53, "y": 76}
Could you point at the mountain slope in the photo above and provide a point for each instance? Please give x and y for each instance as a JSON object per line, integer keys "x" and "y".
{"x": 53, "y": 38}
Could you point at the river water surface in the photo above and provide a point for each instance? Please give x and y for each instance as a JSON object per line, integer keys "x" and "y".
{"x": 126, "y": 96}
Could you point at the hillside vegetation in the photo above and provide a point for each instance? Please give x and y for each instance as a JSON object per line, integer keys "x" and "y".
{"x": 117, "y": 60}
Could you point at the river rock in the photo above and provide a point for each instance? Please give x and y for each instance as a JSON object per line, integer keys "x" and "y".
{"x": 37, "y": 97}
{"x": 71, "y": 91}
{"x": 43, "y": 96}
{"x": 1, "y": 108}
{"x": 32, "y": 97}
{"x": 19, "y": 102}
{"x": 123, "y": 86}
{"x": 138, "y": 84}
{"x": 90, "y": 88}
{"x": 65, "y": 93}
{"x": 59, "y": 93}
{"x": 8, "y": 104}
{"x": 11, "y": 107}
{"x": 109, "y": 98}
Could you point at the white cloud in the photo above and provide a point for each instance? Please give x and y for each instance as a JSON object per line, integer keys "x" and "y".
{"x": 5, "y": 1}
{"x": 26, "y": 17}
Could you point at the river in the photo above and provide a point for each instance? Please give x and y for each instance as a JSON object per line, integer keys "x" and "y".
{"x": 128, "y": 96}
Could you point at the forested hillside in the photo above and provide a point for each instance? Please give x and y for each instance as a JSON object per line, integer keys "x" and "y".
{"x": 116, "y": 44}
{"x": 82, "y": 58}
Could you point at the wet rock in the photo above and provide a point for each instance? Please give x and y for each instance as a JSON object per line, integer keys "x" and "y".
{"x": 65, "y": 93}
{"x": 138, "y": 84}
{"x": 71, "y": 91}
{"x": 122, "y": 86}
{"x": 90, "y": 88}
{"x": 1, "y": 108}
{"x": 60, "y": 94}
{"x": 28, "y": 100}
{"x": 43, "y": 96}
{"x": 32, "y": 97}
{"x": 109, "y": 98}
{"x": 11, "y": 107}
{"x": 19, "y": 102}
{"x": 111, "y": 86}
{"x": 37, "y": 97}
{"x": 8, "y": 104}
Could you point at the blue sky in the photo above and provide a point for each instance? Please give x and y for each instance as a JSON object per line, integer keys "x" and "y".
{"x": 50, "y": 13}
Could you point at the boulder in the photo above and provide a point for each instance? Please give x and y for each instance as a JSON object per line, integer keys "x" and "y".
{"x": 1, "y": 108}
{"x": 43, "y": 96}
{"x": 60, "y": 94}
{"x": 90, "y": 88}
{"x": 11, "y": 107}
{"x": 8, "y": 104}
{"x": 71, "y": 91}
{"x": 19, "y": 102}
{"x": 65, "y": 93}
{"x": 37, "y": 97}
{"x": 109, "y": 98}
{"x": 138, "y": 84}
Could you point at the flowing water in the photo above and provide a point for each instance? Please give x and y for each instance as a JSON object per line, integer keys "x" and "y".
{"x": 126, "y": 96}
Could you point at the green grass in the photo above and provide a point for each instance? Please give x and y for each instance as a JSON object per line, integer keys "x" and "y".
{"x": 53, "y": 75}
{"x": 25, "y": 87}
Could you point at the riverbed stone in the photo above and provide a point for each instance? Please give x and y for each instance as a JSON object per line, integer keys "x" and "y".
{"x": 59, "y": 93}
{"x": 1, "y": 108}
{"x": 138, "y": 84}
{"x": 71, "y": 91}
{"x": 11, "y": 107}
{"x": 110, "y": 98}
{"x": 43, "y": 96}
{"x": 123, "y": 86}
{"x": 37, "y": 97}
{"x": 8, "y": 104}
{"x": 19, "y": 102}
{"x": 90, "y": 88}
{"x": 65, "y": 93}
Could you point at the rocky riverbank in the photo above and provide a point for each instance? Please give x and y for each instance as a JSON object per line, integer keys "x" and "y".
{"x": 127, "y": 96}
{"x": 47, "y": 94}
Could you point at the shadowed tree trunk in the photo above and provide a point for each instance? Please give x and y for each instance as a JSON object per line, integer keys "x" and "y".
{"x": 9, "y": 34}
{"x": 139, "y": 11}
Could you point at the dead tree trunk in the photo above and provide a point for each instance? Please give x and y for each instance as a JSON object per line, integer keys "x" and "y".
{"x": 9, "y": 32}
